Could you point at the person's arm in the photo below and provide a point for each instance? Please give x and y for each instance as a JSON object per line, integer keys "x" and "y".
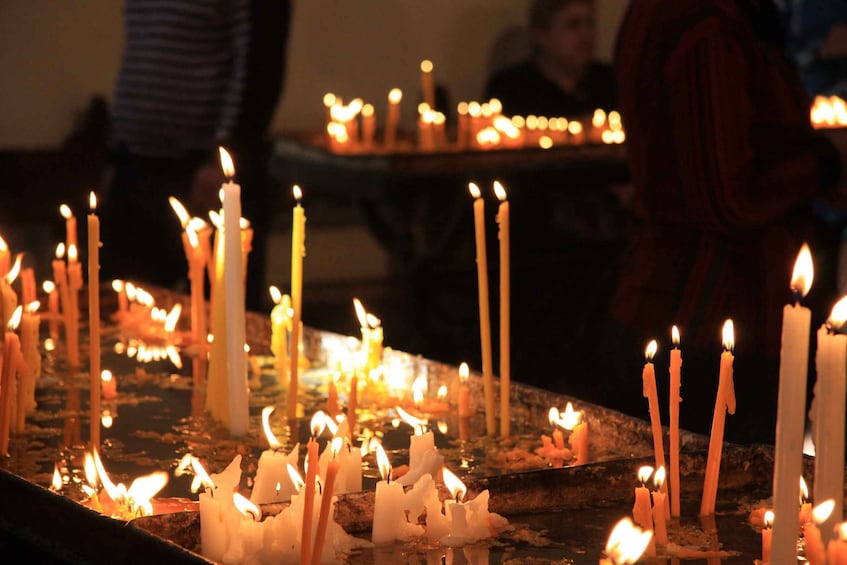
{"x": 731, "y": 178}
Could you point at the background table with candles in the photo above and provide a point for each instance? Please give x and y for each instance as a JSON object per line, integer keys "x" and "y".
{"x": 570, "y": 211}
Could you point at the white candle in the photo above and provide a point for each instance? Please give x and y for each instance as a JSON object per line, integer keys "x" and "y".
{"x": 827, "y": 414}
{"x": 272, "y": 482}
{"x": 238, "y": 417}
{"x": 388, "y": 504}
{"x": 505, "y": 326}
{"x": 791, "y": 410}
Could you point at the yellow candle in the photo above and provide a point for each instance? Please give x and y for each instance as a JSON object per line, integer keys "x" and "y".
{"x": 280, "y": 326}
{"x": 505, "y": 308}
{"x": 393, "y": 118}
{"x": 725, "y": 402}
{"x": 428, "y": 83}
{"x": 484, "y": 316}
{"x": 791, "y": 408}
{"x": 675, "y": 399}
{"x": 298, "y": 250}
{"x": 94, "y": 320}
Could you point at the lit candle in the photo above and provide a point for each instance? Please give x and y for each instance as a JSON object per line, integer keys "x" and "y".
{"x": 505, "y": 293}
{"x": 427, "y": 83}
{"x": 389, "y": 515}
{"x": 395, "y": 95}
{"x": 456, "y": 510}
{"x": 196, "y": 278}
{"x": 462, "y": 126}
{"x": 626, "y": 543}
{"x": 641, "y": 510}
{"x": 311, "y": 463}
{"x": 464, "y": 400}
{"x": 368, "y": 126}
{"x": 332, "y": 396}
{"x": 94, "y": 319}
{"x": 49, "y": 287}
{"x": 836, "y": 549}
{"x": 298, "y": 250}
{"x": 28, "y": 285}
{"x": 423, "y": 455}
{"x": 815, "y": 551}
{"x": 659, "y": 508}
{"x": 326, "y": 501}
{"x": 60, "y": 275}
{"x": 5, "y": 258}
{"x": 216, "y": 505}
{"x": 30, "y": 322}
{"x": 575, "y": 421}
{"x": 827, "y": 414}
{"x": 109, "y": 386}
{"x": 280, "y": 326}
{"x": 805, "y": 505}
{"x": 725, "y": 402}
{"x": 553, "y": 417}
{"x": 74, "y": 286}
{"x": 791, "y": 411}
{"x": 70, "y": 225}
{"x": 238, "y": 414}
{"x": 675, "y": 399}
{"x": 272, "y": 482}
{"x": 484, "y": 316}
{"x": 767, "y": 538}
{"x": 10, "y": 367}
{"x": 123, "y": 302}
{"x": 648, "y": 376}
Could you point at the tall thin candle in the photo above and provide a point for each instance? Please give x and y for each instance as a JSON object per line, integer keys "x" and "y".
{"x": 94, "y": 320}
{"x": 651, "y": 393}
{"x": 70, "y": 225}
{"x": 428, "y": 83}
{"x": 311, "y": 463}
{"x": 791, "y": 412}
{"x": 484, "y": 315}
{"x": 725, "y": 402}
{"x": 393, "y": 117}
{"x": 74, "y": 286}
{"x": 298, "y": 250}
{"x": 505, "y": 298}
{"x": 675, "y": 399}
{"x": 828, "y": 415}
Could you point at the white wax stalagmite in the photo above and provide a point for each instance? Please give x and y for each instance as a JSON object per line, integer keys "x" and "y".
{"x": 217, "y": 509}
{"x": 273, "y": 471}
{"x": 423, "y": 458}
{"x": 471, "y": 521}
{"x": 388, "y": 512}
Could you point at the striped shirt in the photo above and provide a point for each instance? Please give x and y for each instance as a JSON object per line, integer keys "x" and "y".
{"x": 182, "y": 75}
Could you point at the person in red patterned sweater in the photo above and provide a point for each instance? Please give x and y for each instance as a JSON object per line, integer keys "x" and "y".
{"x": 725, "y": 167}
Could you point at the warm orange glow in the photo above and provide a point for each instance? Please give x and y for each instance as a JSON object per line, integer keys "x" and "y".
{"x": 454, "y": 484}
{"x": 106, "y": 419}
{"x": 273, "y": 442}
{"x": 367, "y": 110}
{"x": 495, "y": 105}
{"x": 297, "y": 192}
{"x": 828, "y": 112}
{"x": 106, "y": 376}
{"x": 73, "y": 254}
{"x": 173, "y": 317}
{"x": 570, "y": 417}
{"x": 438, "y": 118}
{"x": 553, "y": 415}
{"x": 57, "y": 482}
{"x": 354, "y": 107}
{"x": 247, "y": 508}
{"x": 16, "y": 318}
{"x": 841, "y": 531}
{"x": 575, "y": 128}
{"x": 442, "y": 392}
{"x": 615, "y": 121}
{"x": 519, "y": 122}
{"x": 728, "y": 335}
{"x": 361, "y": 313}
{"x": 462, "y": 108}
{"x": 464, "y": 372}
{"x": 838, "y": 316}
{"x": 3, "y": 245}
{"x": 823, "y": 511}
{"x": 598, "y": 120}
{"x": 768, "y": 519}
{"x": 650, "y": 351}
{"x": 395, "y": 95}
{"x": 142, "y": 490}
{"x": 329, "y": 99}
{"x": 675, "y": 336}
{"x": 65, "y": 211}
{"x": 318, "y": 423}
{"x": 474, "y": 109}
{"x": 804, "y": 272}
{"x": 49, "y": 287}
{"x": 426, "y": 66}
{"x": 499, "y": 191}
{"x": 227, "y": 166}
{"x": 659, "y": 477}
{"x": 627, "y": 542}
{"x": 545, "y": 142}
{"x": 296, "y": 478}
{"x": 644, "y": 473}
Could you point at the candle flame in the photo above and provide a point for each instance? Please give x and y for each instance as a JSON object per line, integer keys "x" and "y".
{"x": 3, "y": 245}
{"x": 570, "y": 417}
{"x": 60, "y": 251}
{"x": 442, "y": 392}
{"x": 15, "y": 320}
{"x": 659, "y": 477}
{"x": 329, "y": 99}
{"x": 276, "y": 294}
{"x": 823, "y": 511}
{"x": 675, "y": 336}
{"x": 838, "y": 315}
{"x": 627, "y": 542}
{"x": 804, "y": 490}
{"x": 464, "y": 372}
{"x": 474, "y": 190}
{"x": 227, "y": 166}
{"x": 172, "y": 318}
{"x": 395, "y": 95}
{"x": 92, "y": 201}
{"x": 768, "y": 519}
{"x": 297, "y": 192}
{"x": 373, "y": 321}
{"x": 72, "y": 253}
{"x": 247, "y": 508}
{"x": 32, "y": 307}
{"x": 599, "y": 118}
{"x": 728, "y": 335}
{"x": 142, "y": 490}
{"x": 361, "y": 313}
{"x": 367, "y": 110}
{"x": 462, "y": 108}
{"x": 48, "y": 287}
{"x": 545, "y": 142}
{"x": 296, "y": 478}
{"x": 335, "y": 446}
{"x": 273, "y": 442}
{"x": 426, "y": 66}
{"x": 650, "y": 351}
{"x": 499, "y": 191}
{"x": 65, "y": 211}
{"x": 318, "y": 423}
{"x": 644, "y": 473}
{"x": 193, "y": 240}
{"x": 553, "y": 415}
{"x": 417, "y": 423}
{"x": 106, "y": 376}
{"x": 804, "y": 272}
{"x": 90, "y": 471}
{"x": 106, "y": 419}
{"x": 841, "y": 531}
{"x": 575, "y": 128}
{"x": 57, "y": 482}
{"x": 117, "y": 285}
{"x": 474, "y": 109}
{"x": 454, "y": 484}
{"x": 16, "y": 268}
{"x": 495, "y": 105}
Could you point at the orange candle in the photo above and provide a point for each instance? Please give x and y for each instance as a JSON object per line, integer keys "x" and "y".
{"x": 767, "y": 535}
{"x": 368, "y": 126}
{"x": 815, "y": 551}
{"x": 109, "y": 387}
{"x": 648, "y": 376}
{"x": 505, "y": 295}
{"x": 675, "y": 399}
{"x": 464, "y": 401}
{"x": 326, "y": 501}
{"x": 332, "y": 398}
{"x": 60, "y": 275}
{"x": 49, "y": 287}
{"x": 28, "y": 286}
{"x": 463, "y": 126}
{"x": 298, "y": 250}
{"x": 11, "y": 361}
{"x": 428, "y": 83}
{"x": 659, "y": 508}
{"x": 94, "y": 320}
{"x": 393, "y": 117}
{"x": 484, "y": 316}
{"x": 72, "y": 317}
{"x": 725, "y": 402}
{"x": 311, "y": 463}
{"x": 196, "y": 278}
{"x": 70, "y": 225}
{"x": 641, "y": 510}
{"x": 353, "y": 401}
